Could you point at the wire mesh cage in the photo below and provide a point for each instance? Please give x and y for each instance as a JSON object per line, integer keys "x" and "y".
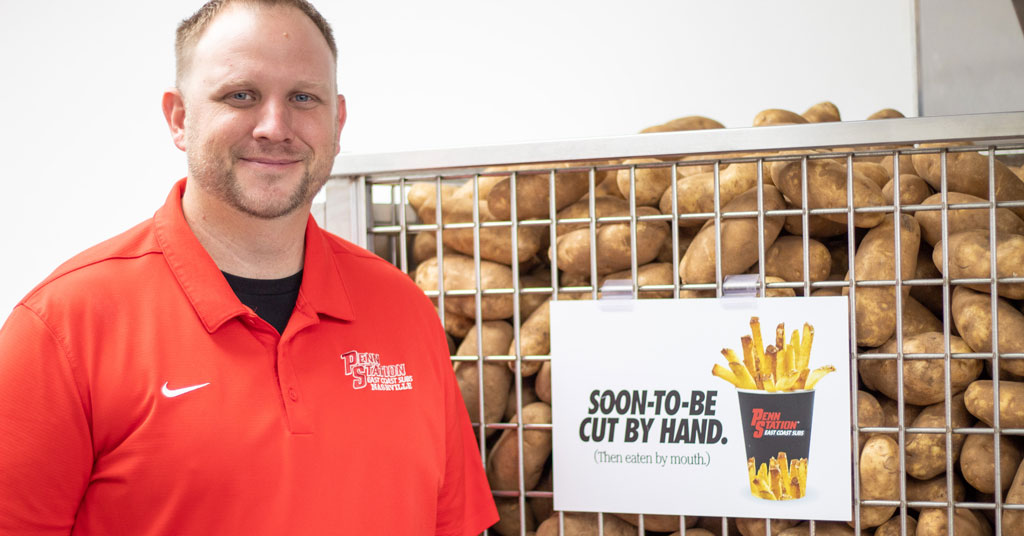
{"x": 493, "y": 234}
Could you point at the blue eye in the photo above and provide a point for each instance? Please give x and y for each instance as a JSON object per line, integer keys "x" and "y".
{"x": 302, "y": 97}
{"x": 240, "y": 96}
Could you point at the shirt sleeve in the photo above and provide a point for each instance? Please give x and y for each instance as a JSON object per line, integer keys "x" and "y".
{"x": 465, "y": 504}
{"x": 45, "y": 447}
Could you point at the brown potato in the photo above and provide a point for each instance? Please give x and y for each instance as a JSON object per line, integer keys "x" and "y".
{"x": 508, "y": 517}
{"x": 879, "y": 479}
{"x": 694, "y": 532}
{"x": 714, "y": 525}
{"x": 929, "y": 295}
{"x": 906, "y": 165}
{"x": 533, "y": 191}
{"x": 926, "y": 453}
{"x": 534, "y": 339}
{"x": 784, "y": 259}
{"x": 756, "y": 527}
{"x": 869, "y": 414}
{"x": 890, "y": 413}
{"x": 822, "y": 528}
{"x": 935, "y": 489}
{"x": 894, "y": 527}
{"x": 738, "y": 234}
{"x": 784, "y": 292}
{"x": 878, "y": 173}
{"x": 913, "y": 190}
{"x": 935, "y": 522}
{"x": 503, "y": 462}
{"x": 969, "y": 257}
{"x": 823, "y": 112}
{"x": 457, "y": 325}
{"x": 826, "y": 188}
{"x": 543, "y": 507}
{"x": 613, "y": 245}
{"x": 963, "y": 219}
{"x": 580, "y": 524}
{"x": 886, "y": 113}
{"x": 424, "y": 246}
{"x": 542, "y": 385}
{"x": 918, "y": 319}
{"x": 977, "y": 461}
{"x": 422, "y": 197}
{"x": 655, "y": 273}
{"x": 657, "y": 523}
{"x": 775, "y": 116}
{"x": 981, "y": 404}
{"x": 649, "y": 183}
{"x": 497, "y": 378}
{"x": 972, "y": 314}
{"x": 817, "y": 227}
{"x": 1013, "y": 520}
{"x": 686, "y": 235}
{"x": 968, "y": 173}
{"x": 923, "y": 378}
{"x": 530, "y": 301}
{"x": 495, "y": 242}
{"x": 528, "y": 393}
{"x": 459, "y": 274}
{"x": 690, "y": 122}
{"x": 875, "y": 260}
{"x": 695, "y": 194}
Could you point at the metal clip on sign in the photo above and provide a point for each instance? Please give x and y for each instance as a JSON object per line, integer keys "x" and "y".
{"x": 740, "y": 291}
{"x": 616, "y": 295}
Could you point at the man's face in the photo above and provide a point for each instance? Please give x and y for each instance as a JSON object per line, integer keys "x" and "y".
{"x": 262, "y": 118}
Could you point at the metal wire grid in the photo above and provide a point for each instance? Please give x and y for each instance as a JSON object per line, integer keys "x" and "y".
{"x": 394, "y": 226}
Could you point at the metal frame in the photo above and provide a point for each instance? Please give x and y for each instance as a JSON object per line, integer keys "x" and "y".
{"x": 350, "y": 212}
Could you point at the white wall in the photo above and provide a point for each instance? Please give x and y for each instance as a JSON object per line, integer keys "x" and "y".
{"x": 86, "y": 154}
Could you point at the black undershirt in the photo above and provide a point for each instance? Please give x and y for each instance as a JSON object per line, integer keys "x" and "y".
{"x": 271, "y": 299}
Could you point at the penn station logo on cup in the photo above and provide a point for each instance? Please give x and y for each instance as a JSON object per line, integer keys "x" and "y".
{"x": 775, "y": 386}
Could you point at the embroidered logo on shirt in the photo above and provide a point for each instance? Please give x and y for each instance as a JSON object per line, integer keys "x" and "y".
{"x": 366, "y": 369}
{"x": 171, "y": 393}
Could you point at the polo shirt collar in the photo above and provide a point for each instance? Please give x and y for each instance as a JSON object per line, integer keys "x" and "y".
{"x": 210, "y": 294}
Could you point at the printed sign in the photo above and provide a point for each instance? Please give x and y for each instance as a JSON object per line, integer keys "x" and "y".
{"x": 730, "y": 407}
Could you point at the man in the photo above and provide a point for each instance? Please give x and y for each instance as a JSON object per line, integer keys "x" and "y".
{"x": 227, "y": 367}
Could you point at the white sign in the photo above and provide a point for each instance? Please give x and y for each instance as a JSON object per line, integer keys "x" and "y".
{"x": 642, "y": 424}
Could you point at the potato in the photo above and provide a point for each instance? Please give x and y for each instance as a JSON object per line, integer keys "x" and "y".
{"x": 457, "y": 325}
{"x": 497, "y": 378}
{"x": 422, "y": 197}
{"x": 977, "y": 461}
{"x": 543, "y": 382}
{"x": 878, "y": 173}
{"x": 926, "y": 453}
{"x": 906, "y": 165}
{"x": 821, "y": 528}
{"x": 784, "y": 292}
{"x": 890, "y": 415}
{"x": 690, "y": 122}
{"x": 694, "y": 532}
{"x": 459, "y": 274}
{"x": 604, "y": 207}
{"x": 580, "y": 524}
{"x": 935, "y": 522}
{"x": 508, "y": 512}
{"x": 543, "y": 507}
{"x": 935, "y": 489}
{"x": 963, "y": 219}
{"x": 696, "y": 193}
{"x": 918, "y": 319}
{"x": 869, "y": 414}
{"x": 533, "y": 192}
{"x": 981, "y": 404}
{"x": 738, "y": 235}
{"x": 969, "y": 257}
{"x": 885, "y": 113}
{"x": 686, "y": 235}
{"x": 534, "y": 339}
{"x": 823, "y": 112}
{"x": 530, "y": 301}
{"x": 655, "y": 273}
{"x": 972, "y": 314}
{"x": 495, "y": 242}
{"x": 714, "y": 525}
{"x": 784, "y": 259}
{"x": 503, "y": 462}
{"x": 756, "y": 527}
{"x": 826, "y": 188}
{"x": 923, "y": 378}
{"x": 879, "y": 479}
{"x": 913, "y": 190}
{"x": 775, "y": 116}
{"x": 968, "y": 173}
{"x": 874, "y": 260}
{"x": 1013, "y": 520}
{"x": 657, "y": 523}
{"x": 929, "y": 295}
{"x": 528, "y": 393}
{"x": 649, "y": 183}
{"x": 613, "y": 245}
{"x": 894, "y": 527}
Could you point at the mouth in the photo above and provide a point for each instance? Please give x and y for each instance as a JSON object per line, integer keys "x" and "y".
{"x": 271, "y": 162}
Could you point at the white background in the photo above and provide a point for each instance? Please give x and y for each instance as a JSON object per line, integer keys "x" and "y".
{"x": 86, "y": 153}
{"x": 673, "y": 344}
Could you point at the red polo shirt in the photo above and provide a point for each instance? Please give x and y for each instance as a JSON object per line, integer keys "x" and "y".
{"x": 139, "y": 396}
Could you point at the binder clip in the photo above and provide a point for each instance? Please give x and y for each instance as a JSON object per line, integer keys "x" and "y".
{"x": 741, "y": 291}
{"x": 617, "y": 295}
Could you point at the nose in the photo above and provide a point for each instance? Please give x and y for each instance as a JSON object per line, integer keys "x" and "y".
{"x": 273, "y": 122}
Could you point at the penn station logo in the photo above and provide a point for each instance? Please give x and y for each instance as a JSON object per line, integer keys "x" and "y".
{"x": 366, "y": 369}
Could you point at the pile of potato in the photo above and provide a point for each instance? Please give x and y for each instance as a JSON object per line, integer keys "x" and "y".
{"x": 640, "y": 191}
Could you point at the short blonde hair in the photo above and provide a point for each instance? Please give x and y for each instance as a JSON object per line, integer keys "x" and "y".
{"x": 191, "y": 29}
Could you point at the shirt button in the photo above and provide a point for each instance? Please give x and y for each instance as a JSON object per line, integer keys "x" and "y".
{"x": 293, "y": 394}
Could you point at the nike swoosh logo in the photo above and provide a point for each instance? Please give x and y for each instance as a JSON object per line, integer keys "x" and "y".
{"x": 171, "y": 393}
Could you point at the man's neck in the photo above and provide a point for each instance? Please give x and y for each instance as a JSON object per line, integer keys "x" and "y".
{"x": 244, "y": 245}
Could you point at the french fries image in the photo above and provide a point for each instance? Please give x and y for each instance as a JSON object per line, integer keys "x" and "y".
{"x": 775, "y": 481}
{"x": 782, "y": 367}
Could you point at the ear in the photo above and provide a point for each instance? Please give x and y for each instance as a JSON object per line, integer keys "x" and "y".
{"x": 174, "y": 113}
{"x": 342, "y": 115}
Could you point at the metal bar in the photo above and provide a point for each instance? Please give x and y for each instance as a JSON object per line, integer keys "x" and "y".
{"x": 1001, "y": 126}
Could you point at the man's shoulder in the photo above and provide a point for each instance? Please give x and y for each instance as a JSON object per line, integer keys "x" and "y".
{"x": 354, "y": 257}
{"x": 95, "y": 265}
